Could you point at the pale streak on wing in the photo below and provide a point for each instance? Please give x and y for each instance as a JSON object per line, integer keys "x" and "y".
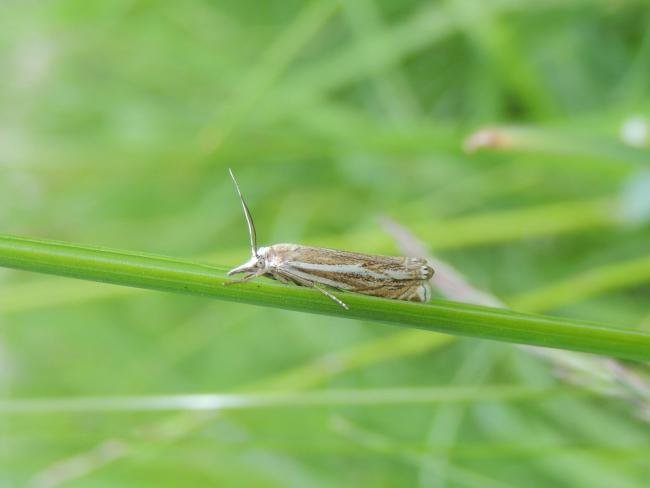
{"x": 403, "y": 274}
{"x": 361, "y": 274}
{"x": 323, "y": 255}
{"x": 291, "y": 270}
{"x": 338, "y": 268}
{"x": 406, "y": 272}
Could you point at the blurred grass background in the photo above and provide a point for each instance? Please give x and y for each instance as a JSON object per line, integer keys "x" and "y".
{"x": 117, "y": 123}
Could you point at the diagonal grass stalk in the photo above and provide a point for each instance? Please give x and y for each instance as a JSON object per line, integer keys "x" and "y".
{"x": 183, "y": 276}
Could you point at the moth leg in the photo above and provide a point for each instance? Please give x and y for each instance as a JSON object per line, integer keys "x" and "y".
{"x": 309, "y": 284}
{"x": 244, "y": 279}
{"x": 282, "y": 279}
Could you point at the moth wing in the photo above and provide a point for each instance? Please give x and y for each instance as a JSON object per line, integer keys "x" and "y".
{"x": 400, "y": 278}
{"x": 375, "y": 267}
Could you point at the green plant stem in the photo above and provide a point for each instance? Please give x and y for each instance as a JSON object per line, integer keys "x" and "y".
{"x": 188, "y": 277}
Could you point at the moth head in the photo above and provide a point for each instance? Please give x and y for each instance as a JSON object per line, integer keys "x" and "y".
{"x": 254, "y": 265}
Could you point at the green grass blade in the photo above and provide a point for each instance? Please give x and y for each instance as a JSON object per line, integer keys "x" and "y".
{"x": 589, "y": 283}
{"x": 188, "y": 277}
{"x": 239, "y": 401}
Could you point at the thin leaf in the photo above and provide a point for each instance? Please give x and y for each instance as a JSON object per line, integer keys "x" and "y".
{"x": 187, "y": 277}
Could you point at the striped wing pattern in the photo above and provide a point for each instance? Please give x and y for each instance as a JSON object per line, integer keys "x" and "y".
{"x": 401, "y": 278}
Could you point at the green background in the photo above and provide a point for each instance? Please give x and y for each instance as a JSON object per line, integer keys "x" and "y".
{"x": 118, "y": 121}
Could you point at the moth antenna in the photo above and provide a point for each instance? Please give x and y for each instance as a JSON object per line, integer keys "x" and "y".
{"x": 249, "y": 220}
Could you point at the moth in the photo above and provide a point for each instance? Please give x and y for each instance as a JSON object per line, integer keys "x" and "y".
{"x": 328, "y": 270}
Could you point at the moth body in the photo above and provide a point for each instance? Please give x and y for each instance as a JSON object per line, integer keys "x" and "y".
{"x": 399, "y": 278}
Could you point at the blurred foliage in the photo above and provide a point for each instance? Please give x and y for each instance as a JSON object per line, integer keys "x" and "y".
{"x": 117, "y": 123}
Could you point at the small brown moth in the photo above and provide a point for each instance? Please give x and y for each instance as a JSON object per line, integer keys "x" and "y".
{"x": 399, "y": 278}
